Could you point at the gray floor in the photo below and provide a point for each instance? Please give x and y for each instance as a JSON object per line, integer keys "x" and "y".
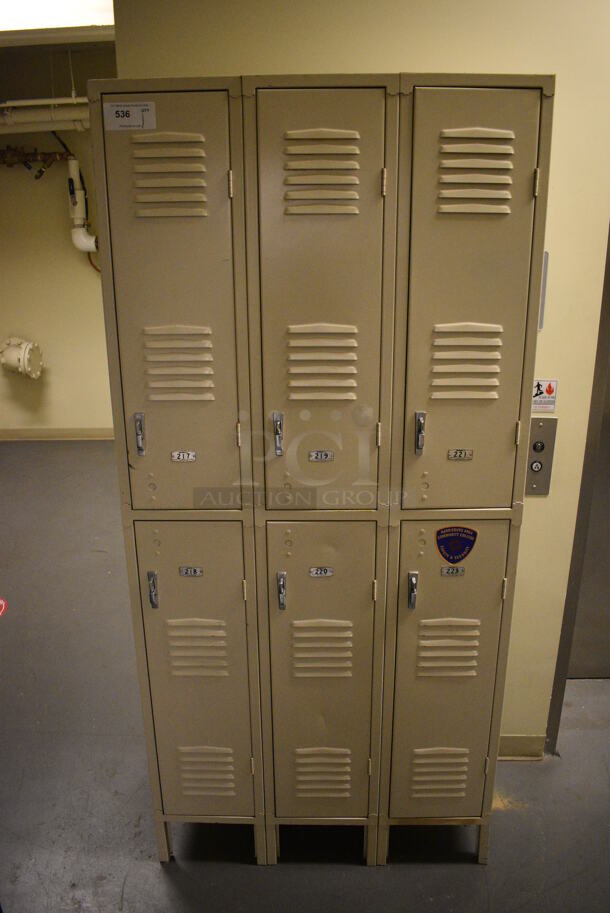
{"x": 76, "y": 832}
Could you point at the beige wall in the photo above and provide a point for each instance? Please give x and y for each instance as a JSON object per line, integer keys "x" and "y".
{"x": 48, "y": 290}
{"x": 193, "y": 37}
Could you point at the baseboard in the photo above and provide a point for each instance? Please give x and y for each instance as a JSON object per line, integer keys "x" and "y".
{"x": 521, "y": 747}
{"x": 56, "y": 434}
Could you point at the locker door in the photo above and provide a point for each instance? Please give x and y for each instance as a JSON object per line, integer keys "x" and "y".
{"x": 447, "y": 645}
{"x": 474, "y": 155}
{"x": 170, "y": 223}
{"x": 321, "y": 152}
{"x": 321, "y": 666}
{"x": 197, "y": 664}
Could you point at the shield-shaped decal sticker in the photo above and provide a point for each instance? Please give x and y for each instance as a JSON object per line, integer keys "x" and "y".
{"x": 455, "y": 542}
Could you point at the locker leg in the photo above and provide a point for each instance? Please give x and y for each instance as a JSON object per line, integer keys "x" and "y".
{"x": 483, "y": 851}
{"x": 383, "y": 843}
{"x": 164, "y": 840}
{"x": 260, "y": 844}
{"x": 277, "y": 841}
{"x": 271, "y": 844}
{"x": 370, "y": 832}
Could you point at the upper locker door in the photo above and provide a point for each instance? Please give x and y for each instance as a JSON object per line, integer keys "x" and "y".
{"x": 446, "y": 655}
{"x": 195, "y": 627}
{"x": 474, "y": 158}
{"x": 321, "y": 628}
{"x": 320, "y": 160}
{"x": 170, "y": 225}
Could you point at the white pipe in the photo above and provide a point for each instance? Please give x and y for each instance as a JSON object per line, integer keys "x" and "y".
{"x": 40, "y": 115}
{"x": 81, "y": 238}
{"x": 37, "y": 102}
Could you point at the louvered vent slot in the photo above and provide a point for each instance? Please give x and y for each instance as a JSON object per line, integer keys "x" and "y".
{"x": 206, "y": 770}
{"x": 197, "y": 646}
{"x": 478, "y": 161}
{"x": 322, "y": 361}
{"x": 323, "y": 773}
{"x": 327, "y": 159}
{"x": 178, "y": 363}
{"x": 322, "y": 648}
{"x": 466, "y": 361}
{"x": 169, "y": 174}
{"x": 439, "y": 773}
{"x": 448, "y": 647}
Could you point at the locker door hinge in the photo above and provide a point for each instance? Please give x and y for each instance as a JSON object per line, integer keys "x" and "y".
{"x": 370, "y": 767}
{"x": 384, "y": 181}
{"x": 536, "y": 181}
{"x": 517, "y": 433}
{"x": 378, "y": 434}
{"x": 504, "y": 587}
{"x": 486, "y": 765}
{"x": 230, "y": 182}
{"x": 238, "y": 433}
{"x": 244, "y": 589}
{"x": 252, "y": 766}
{"x": 374, "y": 591}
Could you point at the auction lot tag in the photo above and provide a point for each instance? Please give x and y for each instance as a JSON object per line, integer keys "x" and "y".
{"x": 130, "y": 115}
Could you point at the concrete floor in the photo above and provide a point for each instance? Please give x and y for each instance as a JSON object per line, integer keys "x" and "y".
{"x": 76, "y": 832}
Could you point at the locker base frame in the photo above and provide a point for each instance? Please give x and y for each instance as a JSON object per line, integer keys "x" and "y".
{"x": 369, "y": 824}
{"x": 164, "y": 837}
{"x": 483, "y": 823}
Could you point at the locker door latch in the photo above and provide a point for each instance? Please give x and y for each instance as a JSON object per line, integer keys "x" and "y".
{"x": 153, "y": 589}
{"x": 278, "y": 432}
{"x": 138, "y": 421}
{"x": 412, "y": 579}
{"x": 420, "y": 432}
{"x": 281, "y": 589}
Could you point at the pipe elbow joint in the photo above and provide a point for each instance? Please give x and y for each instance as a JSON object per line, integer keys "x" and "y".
{"x": 84, "y": 241}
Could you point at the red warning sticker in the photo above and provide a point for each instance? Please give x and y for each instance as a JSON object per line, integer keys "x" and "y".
{"x": 544, "y": 395}
{"x": 3, "y": 606}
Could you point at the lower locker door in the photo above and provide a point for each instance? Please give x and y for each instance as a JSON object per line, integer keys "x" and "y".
{"x": 321, "y": 622}
{"x": 447, "y": 644}
{"x": 194, "y": 622}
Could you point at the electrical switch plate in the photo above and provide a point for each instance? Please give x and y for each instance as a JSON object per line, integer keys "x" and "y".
{"x": 540, "y": 455}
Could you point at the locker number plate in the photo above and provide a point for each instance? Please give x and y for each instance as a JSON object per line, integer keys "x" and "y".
{"x": 190, "y": 571}
{"x": 183, "y": 456}
{"x": 453, "y": 571}
{"x": 459, "y": 454}
{"x": 321, "y": 456}
{"x": 321, "y": 571}
{"x": 132, "y": 115}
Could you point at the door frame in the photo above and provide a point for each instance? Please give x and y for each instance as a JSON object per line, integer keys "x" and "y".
{"x": 585, "y": 501}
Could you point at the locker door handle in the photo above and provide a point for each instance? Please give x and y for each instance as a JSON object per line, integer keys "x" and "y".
{"x": 281, "y": 589}
{"x": 420, "y": 432}
{"x": 153, "y": 589}
{"x": 138, "y": 421}
{"x": 412, "y": 580}
{"x": 278, "y": 432}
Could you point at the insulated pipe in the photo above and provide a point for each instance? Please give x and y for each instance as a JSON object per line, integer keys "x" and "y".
{"x": 36, "y": 118}
{"x": 81, "y": 238}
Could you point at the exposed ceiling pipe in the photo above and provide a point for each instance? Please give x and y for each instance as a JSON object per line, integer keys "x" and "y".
{"x": 81, "y": 238}
{"x": 41, "y": 115}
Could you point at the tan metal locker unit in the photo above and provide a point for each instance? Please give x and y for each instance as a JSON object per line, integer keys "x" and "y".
{"x": 172, "y": 245}
{"x": 191, "y": 585}
{"x": 468, "y": 279}
{"x": 171, "y": 235}
{"x": 449, "y": 618}
{"x": 321, "y": 611}
{"x": 475, "y": 155}
{"x": 321, "y": 160}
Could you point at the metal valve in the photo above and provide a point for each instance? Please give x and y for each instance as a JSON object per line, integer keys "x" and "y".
{"x": 420, "y": 432}
{"x": 278, "y": 432}
{"x": 281, "y": 589}
{"x": 412, "y": 580}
